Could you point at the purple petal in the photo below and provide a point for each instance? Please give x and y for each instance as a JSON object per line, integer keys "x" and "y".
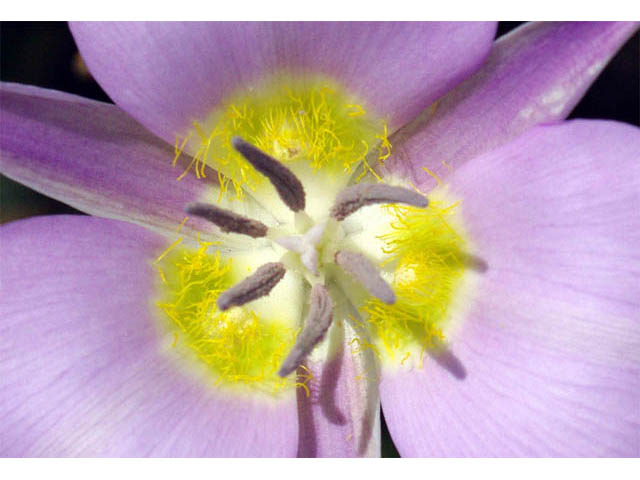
{"x": 341, "y": 416}
{"x": 85, "y": 367}
{"x": 536, "y": 74}
{"x": 93, "y": 156}
{"x": 551, "y": 346}
{"x": 168, "y": 74}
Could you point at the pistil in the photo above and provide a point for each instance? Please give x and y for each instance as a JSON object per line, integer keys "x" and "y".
{"x": 305, "y": 246}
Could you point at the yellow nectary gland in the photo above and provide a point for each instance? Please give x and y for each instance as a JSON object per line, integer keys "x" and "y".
{"x": 429, "y": 260}
{"x": 307, "y": 120}
{"x": 236, "y": 346}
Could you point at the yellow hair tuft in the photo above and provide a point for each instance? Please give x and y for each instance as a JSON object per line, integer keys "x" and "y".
{"x": 427, "y": 254}
{"x": 310, "y": 120}
{"x": 237, "y": 347}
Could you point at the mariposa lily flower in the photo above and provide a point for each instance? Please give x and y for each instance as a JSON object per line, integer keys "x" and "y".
{"x": 313, "y": 219}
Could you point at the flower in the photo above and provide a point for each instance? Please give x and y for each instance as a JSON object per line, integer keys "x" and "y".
{"x": 540, "y": 353}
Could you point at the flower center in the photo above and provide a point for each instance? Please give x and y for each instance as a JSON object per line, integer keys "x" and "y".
{"x": 252, "y": 319}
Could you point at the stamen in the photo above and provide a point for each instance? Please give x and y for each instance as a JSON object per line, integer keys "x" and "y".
{"x": 315, "y": 326}
{"x": 357, "y": 196}
{"x": 254, "y": 286}
{"x": 474, "y": 262}
{"x": 285, "y": 182}
{"x": 227, "y": 220}
{"x": 366, "y": 273}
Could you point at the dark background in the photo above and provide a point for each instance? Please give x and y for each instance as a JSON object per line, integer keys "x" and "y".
{"x": 44, "y": 54}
